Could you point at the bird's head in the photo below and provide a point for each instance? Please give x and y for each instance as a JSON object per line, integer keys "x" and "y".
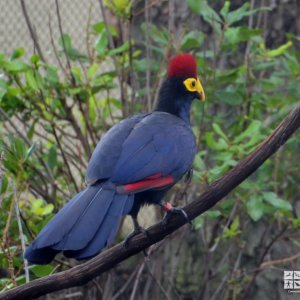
{"x": 182, "y": 71}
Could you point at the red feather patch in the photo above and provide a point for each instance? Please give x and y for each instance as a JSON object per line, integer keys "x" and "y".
{"x": 151, "y": 182}
{"x": 182, "y": 65}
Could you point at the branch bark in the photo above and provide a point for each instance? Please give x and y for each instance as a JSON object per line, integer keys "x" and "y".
{"x": 217, "y": 190}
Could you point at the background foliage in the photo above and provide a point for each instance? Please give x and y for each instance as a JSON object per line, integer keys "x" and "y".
{"x": 52, "y": 116}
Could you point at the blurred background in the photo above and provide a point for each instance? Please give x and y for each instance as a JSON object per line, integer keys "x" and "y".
{"x": 69, "y": 70}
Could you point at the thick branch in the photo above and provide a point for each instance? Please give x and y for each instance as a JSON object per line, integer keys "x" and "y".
{"x": 106, "y": 260}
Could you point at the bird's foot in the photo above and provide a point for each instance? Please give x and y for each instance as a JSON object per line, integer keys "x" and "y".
{"x": 137, "y": 230}
{"x": 169, "y": 209}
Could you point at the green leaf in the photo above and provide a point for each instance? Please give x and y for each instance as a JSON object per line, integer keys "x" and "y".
{"x": 193, "y": 39}
{"x": 36, "y": 205}
{"x": 198, "y": 222}
{"x": 16, "y": 66}
{"x": 3, "y": 184}
{"x": 254, "y": 140}
{"x": 233, "y": 230}
{"x": 212, "y": 214}
{"x": 65, "y": 42}
{"x": 221, "y": 144}
{"x": 225, "y": 9}
{"x": 119, "y": 50}
{"x": 48, "y": 209}
{"x": 235, "y": 224}
{"x": 41, "y": 271}
{"x": 67, "y": 48}
{"x": 101, "y": 44}
{"x": 252, "y": 129}
{"x": 19, "y": 52}
{"x": 92, "y": 109}
{"x": 30, "y": 151}
{"x": 20, "y": 148}
{"x": 230, "y": 97}
{"x": 104, "y": 79}
{"x": 280, "y": 50}
{"x": 115, "y": 102}
{"x": 77, "y": 73}
{"x": 276, "y": 202}
{"x": 52, "y": 75}
{"x": 232, "y": 35}
{"x": 35, "y": 59}
{"x": 159, "y": 34}
{"x": 245, "y": 33}
{"x": 238, "y": 14}
{"x": 121, "y": 8}
{"x": 219, "y": 131}
{"x": 100, "y": 26}
{"x": 92, "y": 70}
{"x": 255, "y": 208}
{"x": 31, "y": 130}
{"x": 3, "y": 88}
{"x": 202, "y": 8}
{"x": 199, "y": 163}
{"x": 31, "y": 81}
{"x": 52, "y": 157}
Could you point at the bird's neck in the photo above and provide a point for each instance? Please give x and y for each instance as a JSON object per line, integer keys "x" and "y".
{"x": 181, "y": 110}
{"x": 173, "y": 101}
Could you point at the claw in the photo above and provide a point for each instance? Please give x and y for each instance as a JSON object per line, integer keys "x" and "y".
{"x": 137, "y": 230}
{"x": 174, "y": 210}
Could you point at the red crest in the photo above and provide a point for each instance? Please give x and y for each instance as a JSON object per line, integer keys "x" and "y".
{"x": 183, "y": 65}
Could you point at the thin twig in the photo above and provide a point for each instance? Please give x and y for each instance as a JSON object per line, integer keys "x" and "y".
{"x": 284, "y": 260}
{"x": 32, "y": 31}
{"x": 119, "y": 73}
{"x": 157, "y": 282}
{"x": 266, "y": 251}
{"x": 65, "y": 159}
{"x": 137, "y": 280}
{"x": 171, "y": 23}
{"x": 73, "y": 82}
{"x": 247, "y": 62}
{"x": 125, "y": 285}
{"x": 132, "y": 74}
{"x": 63, "y": 40}
{"x": 21, "y": 233}
{"x": 55, "y": 48}
{"x": 148, "y": 57}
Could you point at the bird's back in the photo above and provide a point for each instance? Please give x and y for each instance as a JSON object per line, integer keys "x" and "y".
{"x": 142, "y": 146}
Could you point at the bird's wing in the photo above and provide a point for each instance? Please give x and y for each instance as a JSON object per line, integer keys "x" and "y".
{"x": 157, "y": 152}
{"x": 108, "y": 150}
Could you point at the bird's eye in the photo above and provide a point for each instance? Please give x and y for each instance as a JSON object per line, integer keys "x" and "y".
{"x": 193, "y": 83}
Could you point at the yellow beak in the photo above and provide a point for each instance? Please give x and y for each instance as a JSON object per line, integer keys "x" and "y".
{"x": 200, "y": 90}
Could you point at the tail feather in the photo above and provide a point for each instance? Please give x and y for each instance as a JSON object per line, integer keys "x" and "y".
{"x": 61, "y": 224}
{"x": 107, "y": 231}
{"x": 83, "y": 227}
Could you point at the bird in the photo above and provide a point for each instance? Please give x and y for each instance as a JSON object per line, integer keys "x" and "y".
{"x": 135, "y": 163}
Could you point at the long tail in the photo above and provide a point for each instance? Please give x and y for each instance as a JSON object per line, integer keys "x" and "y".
{"x": 84, "y": 226}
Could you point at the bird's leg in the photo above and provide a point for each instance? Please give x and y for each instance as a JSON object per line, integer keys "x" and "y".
{"x": 169, "y": 209}
{"x": 189, "y": 175}
{"x": 136, "y": 230}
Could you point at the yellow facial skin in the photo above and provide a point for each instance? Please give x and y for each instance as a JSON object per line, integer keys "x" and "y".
{"x": 194, "y": 85}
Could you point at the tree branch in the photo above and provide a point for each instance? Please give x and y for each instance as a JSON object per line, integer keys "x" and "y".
{"x": 32, "y": 31}
{"x": 217, "y": 190}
